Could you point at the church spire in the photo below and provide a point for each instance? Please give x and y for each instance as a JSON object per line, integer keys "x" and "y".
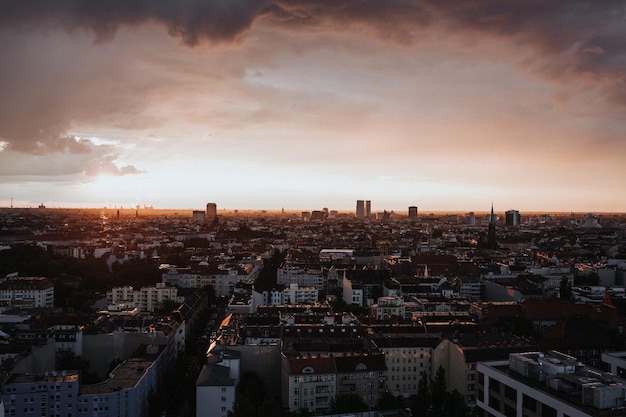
{"x": 492, "y": 242}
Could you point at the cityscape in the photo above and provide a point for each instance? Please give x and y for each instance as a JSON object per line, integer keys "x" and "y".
{"x": 147, "y": 312}
{"x": 298, "y": 208}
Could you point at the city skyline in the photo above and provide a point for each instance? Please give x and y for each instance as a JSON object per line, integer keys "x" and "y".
{"x": 305, "y": 104}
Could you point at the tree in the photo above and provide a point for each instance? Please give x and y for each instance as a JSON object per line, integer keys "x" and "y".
{"x": 387, "y": 401}
{"x": 433, "y": 399}
{"x": 438, "y": 391}
{"x": 566, "y": 288}
{"x": 422, "y": 401}
{"x": 348, "y": 402}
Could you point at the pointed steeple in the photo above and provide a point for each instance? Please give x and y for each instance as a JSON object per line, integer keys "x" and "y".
{"x": 492, "y": 242}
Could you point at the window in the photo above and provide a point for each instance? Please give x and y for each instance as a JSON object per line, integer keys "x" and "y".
{"x": 547, "y": 411}
{"x": 529, "y": 403}
{"x": 510, "y": 393}
{"x": 494, "y": 403}
{"x": 494, "y": 385}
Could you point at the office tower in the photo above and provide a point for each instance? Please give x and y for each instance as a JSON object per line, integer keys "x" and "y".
{"x": 512, "y": 218}
{"x": 368, "y": 209}
{"x": 211, "y": 212}
{"x": 412, "y": 212}
{"x": 470, "y": 219}
{"x": 360, "y": 209}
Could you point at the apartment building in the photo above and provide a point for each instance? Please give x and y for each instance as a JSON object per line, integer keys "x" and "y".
{"x": 27, "y": 292}
{"x": 147, "y": 299}
{"x": 535, "y": 384}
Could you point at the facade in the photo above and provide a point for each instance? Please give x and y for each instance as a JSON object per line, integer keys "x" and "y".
{"x": 512, "y": 218}
{"x": 460, "y": 358}
{"x": 198, "y": 215}
{"x": 311, "y": 381}
{"x": 308, "y": 382}
{"x": 406, "y": 357}
{"x": 59, "y": 394}
{"x": 147, "y": 299}
{"x": 360, "y": 209}
{"x": 303, "y": 277}
{"x": 211, "y": 212}
{"x": 216, "y": 384}
{"x": 27, "y": 292}
{"x": 67, "y": 338}
{"x": 388, "y": 307}
{"x": 554, "y": 385}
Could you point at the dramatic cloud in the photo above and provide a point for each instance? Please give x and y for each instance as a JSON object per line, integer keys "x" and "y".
{"x": 299, "y": 85}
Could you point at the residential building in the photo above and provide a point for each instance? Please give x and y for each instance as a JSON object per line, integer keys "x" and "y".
{"x": 407, "y": 356}
{"x": 147, "y": 299}
{"x": 211, "y": 212}
{"x": 553, "y": 385}
{"x": 27, "y": 292}
{"x": 217, "y": 382}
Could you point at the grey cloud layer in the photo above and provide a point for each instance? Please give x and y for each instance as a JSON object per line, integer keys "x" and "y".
{"x": 577, "y": 38}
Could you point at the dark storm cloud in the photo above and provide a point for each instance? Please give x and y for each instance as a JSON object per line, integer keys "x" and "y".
{"x": 589, "y": 33}
{"x": 573, "y": 38}
{"x": 191, "y": 20}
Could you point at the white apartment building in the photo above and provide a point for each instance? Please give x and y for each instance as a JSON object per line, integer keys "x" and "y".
{"x": 534, "y": 384}
{"x": 388, "y": 307}
{"x": 147, "y": 299}
{"x": 304, "y": 277}
{"x": 216, "y": 384}
{"x": 27, "y": 292}
{"x": 294, "y": 294}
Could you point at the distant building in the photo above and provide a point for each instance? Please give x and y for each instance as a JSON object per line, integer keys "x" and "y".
{"x": 512, "y": 218}
{"x": 368, "y": 209}
{"x": 412, "y": 212}
{"x": 470, "y": 219}
{"x": 198, "y": 216}
{"x": 216, "y": 384}
{"x": 360, "y": 209}
{"x": 147, "y": 299}
{"x": 27, "y": 292}
{"x": 211, "y": 212}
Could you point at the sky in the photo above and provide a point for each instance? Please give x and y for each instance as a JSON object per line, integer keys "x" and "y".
{"x": 304, "y": 104}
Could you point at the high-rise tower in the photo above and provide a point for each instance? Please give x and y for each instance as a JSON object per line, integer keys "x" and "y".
{"x": 211, "y": 212}
{"x": 360, "y": 209}
{"x": 368, "y": 209}
{"x": 512, "y": 218}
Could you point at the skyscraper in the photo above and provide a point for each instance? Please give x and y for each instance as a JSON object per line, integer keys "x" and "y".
{"x": 512, "y": 218}
{"x": 412, "y": 212}
{"x": 368, "y": 209}
{"x": 360, "y": 209}
{"x": 211, "y": 212}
